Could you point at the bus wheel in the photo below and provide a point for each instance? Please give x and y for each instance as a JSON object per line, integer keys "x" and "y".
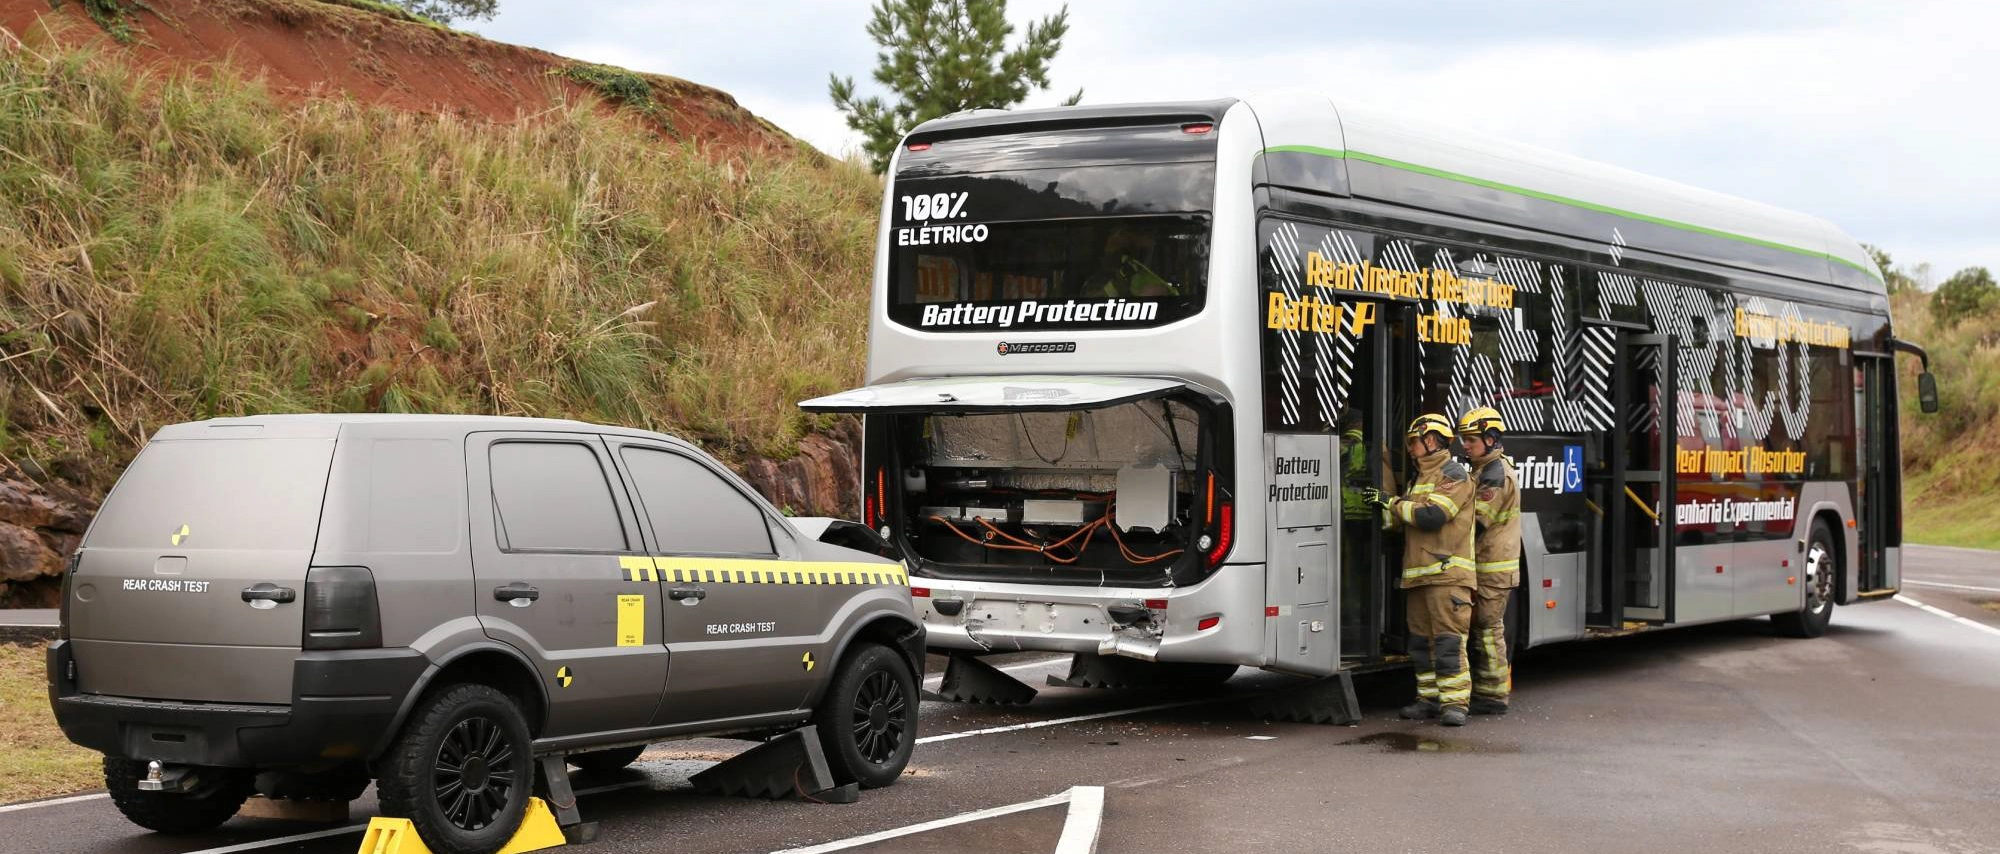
{"x": 1821, "y": 564}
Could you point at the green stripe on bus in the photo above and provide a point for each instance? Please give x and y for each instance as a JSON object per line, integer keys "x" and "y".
{"x": 1562, "y": 200}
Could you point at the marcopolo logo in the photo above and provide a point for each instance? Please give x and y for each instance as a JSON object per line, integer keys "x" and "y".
{"x": 1561, "y": 475}
{"x": 1016, "y": 348}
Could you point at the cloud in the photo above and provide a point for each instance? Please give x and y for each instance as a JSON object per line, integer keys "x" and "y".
{"x": 1872, "y": 115}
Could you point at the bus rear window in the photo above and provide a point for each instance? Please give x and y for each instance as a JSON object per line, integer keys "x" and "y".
{"x": 1114, "y": 273}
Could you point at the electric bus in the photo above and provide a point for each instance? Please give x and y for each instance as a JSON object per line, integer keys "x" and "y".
{"x": 1120, "y": 358}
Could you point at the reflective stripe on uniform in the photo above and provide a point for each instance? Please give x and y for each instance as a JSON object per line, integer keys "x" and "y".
{"x": 1453, "y": 562}
{"x": 1421, "y": 571}
{"x": 1499, "y": 565}
{"x": 1423, "y": 489}
{"x": 1450, "y": 506}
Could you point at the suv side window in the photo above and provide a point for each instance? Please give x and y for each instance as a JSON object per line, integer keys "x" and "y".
{"x": 553, "y": 496}
{"x": 693, "y": 510}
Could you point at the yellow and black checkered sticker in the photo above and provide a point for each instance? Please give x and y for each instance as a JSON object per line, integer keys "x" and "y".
{"x": 707, "y": 570}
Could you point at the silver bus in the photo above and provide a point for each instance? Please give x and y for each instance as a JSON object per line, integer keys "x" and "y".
{"x": 1129, "y": 365}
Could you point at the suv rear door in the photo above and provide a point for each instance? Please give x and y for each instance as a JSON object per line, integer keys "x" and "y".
{"x": 190, "y": 584}
{"x": 741, "y": 621}
{"x": 556, "y": 553}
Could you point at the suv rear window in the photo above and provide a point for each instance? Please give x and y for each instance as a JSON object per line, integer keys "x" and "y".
{"x": 218, "y": 494}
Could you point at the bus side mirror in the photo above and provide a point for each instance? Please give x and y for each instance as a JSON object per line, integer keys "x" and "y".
{"x": 1927, "y": 398}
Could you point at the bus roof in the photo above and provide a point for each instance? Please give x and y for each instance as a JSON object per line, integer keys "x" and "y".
{"x": 1402, "y": 160}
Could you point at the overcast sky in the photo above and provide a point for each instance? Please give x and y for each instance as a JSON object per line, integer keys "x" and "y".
{"x": 1881, "y": 116}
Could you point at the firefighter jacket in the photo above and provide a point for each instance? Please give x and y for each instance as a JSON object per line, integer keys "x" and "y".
{"x": 1497, "y": 509}
{"x": 1436, "y": 515}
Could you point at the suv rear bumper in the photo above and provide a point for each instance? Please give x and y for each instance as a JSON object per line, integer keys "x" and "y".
{"x": 343, "y": 705}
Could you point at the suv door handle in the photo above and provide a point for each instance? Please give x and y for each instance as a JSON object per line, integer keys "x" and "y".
{"x": 265, "y": 591}
{"x": 517, "y": 594}
{"x": 687, "y": 595}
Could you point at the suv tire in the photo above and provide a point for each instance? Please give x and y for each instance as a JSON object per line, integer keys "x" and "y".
{"x": 218, "y": 794}
{"x": 868, "y": 719}
{"x": 606, "y": 761}
{"x": 460, "y": 770}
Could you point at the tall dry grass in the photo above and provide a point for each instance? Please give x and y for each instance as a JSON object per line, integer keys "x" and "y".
{"x": 184, "y": 246}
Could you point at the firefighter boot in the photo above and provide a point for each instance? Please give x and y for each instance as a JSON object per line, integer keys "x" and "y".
{"x": 1426, "y": 705}
{"x": 1453, "y": 716}
{"x": 1488, "y": 706}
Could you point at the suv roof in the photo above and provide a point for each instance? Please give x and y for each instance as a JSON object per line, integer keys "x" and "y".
{"x": 329, "y": 424}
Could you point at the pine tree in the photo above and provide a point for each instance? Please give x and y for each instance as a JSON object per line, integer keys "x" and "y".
{"x": 938, "y": 57}
{"x": 447, "y": 11}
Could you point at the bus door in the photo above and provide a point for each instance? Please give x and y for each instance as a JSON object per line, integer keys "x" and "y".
{"x": 1875, "y": 421}
{"x": 1630, "y": 485}
{"x": 1383, "y": 399}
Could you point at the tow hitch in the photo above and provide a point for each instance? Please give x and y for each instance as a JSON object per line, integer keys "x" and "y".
{"x": 161, "y": 777}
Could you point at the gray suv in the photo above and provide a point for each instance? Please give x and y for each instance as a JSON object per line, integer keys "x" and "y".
{"x": 299, "y": 604}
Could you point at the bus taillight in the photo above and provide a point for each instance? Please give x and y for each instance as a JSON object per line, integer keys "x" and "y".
{"x": 876, "y": 503}
{"x": 1223, "y": 534}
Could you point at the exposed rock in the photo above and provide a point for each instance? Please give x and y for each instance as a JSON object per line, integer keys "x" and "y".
{"x": 41, "y": 523}
{"x": 23, "y": 555}
{"x": 824, "y": 479}
{"x": 22, "y": 503}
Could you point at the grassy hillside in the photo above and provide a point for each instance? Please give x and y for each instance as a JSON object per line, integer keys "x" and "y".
{"x": 184, "y": 245}
{"x": 1950, "y": 477}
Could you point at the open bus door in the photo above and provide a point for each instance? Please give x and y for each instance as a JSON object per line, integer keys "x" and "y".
{"x": 1381, "y": 397}
{"x": 1879, "y": 496}
{"x": 1632, "y": 487}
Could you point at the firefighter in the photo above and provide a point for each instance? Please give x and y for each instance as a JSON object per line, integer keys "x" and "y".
{"x": 1497, "y": 554}
{"x": 1438, "y": 574}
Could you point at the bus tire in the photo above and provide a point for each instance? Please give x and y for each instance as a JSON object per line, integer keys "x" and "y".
{"x": 1822, "y": 564}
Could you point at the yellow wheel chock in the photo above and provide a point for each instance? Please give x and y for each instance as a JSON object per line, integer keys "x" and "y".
{"x": 398, "y": 836}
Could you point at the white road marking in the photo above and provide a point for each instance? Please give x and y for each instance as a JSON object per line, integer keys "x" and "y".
{"x": 1943, "y": 613}
{"x": 930, "y": 739}
{"x": 1261, "y": 737}
{"x": 1952, "y": 586}
{"x": 282, "y": 840}
{"x": 961, "y": 818}
{"x": 1028, "y": 665}
{"x": 1086, "y": 815}
{"x": 53, "y": 802}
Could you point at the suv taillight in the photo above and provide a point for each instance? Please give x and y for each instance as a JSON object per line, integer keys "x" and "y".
{"x": 62, "y": 609}
{"x": 341, "y": 611}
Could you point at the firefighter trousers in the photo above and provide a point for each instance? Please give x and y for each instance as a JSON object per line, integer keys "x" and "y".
{"x": 1492, "y": 676}
{"x": 1439, "y": 617}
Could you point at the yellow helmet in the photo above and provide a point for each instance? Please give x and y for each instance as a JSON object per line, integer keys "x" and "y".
{"x": 1429, "y": 422}
{"x": 1481, "y": 421}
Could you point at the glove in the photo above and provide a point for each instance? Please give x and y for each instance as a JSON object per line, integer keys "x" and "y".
{"x": 1374, "y": 497}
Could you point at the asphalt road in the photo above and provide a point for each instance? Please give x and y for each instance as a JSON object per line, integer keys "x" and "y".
{"x": 1877, "y": 738}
